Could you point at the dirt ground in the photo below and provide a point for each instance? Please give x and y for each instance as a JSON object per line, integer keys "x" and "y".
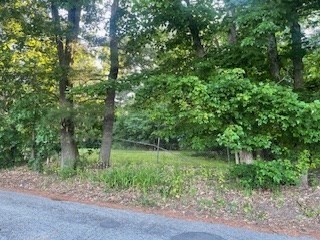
{"x": 292, "y": 211}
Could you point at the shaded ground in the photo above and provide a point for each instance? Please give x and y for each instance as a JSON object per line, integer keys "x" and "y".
{"x": 292, "y": 211}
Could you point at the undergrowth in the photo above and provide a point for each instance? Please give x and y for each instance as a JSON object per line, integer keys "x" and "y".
{"x": 169, "y": 181}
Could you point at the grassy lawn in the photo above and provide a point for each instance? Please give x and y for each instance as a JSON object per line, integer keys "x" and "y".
{"x": 121, "y": 157}
{"x": 171, "y": 173}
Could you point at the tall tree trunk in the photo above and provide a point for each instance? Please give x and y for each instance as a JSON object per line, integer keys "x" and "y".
{"x": 232, "y": 33}
{"x": 241, "y": 156}
{"x": 33, "y": 144}
{"x": 297, "y": 55}
{"x": 197, "y": 45}
{"x": 108, "y": 120}
{"x": 69, "y": 150}
{"x": 195, "y": 33}
{"x": 273, "y": 57}
{"x": 297, "y": 52}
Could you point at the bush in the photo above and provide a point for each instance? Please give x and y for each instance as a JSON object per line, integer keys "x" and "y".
{"x": 266, "y": 175}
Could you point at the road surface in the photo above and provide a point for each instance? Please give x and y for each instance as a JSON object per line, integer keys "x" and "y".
{"x": 27, "y": 217}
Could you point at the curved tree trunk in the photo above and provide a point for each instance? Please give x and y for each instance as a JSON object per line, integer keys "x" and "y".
{"x": 69, "y": 150}
{"x": 108, "y": 120}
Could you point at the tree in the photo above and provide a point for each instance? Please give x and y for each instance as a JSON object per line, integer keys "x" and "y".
{"x": 27, "y": 88}
{"x": 297, "y": 52}
{"x": 235, "y": 112}
{"x": 109, "y": 112}
{"x": 65, "y": 43}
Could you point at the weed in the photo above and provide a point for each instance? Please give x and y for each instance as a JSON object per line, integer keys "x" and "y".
{"x": 308, "y": 211}
{"x": 278, "y": 199}
{"x": 232, "y": 207}
{"x": 247, "y": 208}
{"x": 66, "y": 173}
{"x": 206, "y": 203}
{"x": 146, "y": 201}
{"x": 220, "y": 201}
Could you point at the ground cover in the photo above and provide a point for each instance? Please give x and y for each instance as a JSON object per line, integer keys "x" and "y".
{"x": 178, "y": 184}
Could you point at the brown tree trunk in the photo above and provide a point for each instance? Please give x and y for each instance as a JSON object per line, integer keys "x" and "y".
{"x": 197, "y": 45}
{"x": 232, "y": 34}
{"x": 296, "y": 51}
{"x": 195, "y": 33}
{"x": 236, "y": 157}
{"x": 273, "y": 57}
{"x": 69, "y": 150}
{"x": 33, "y": 144}
{"x": 241, "y": 156}
{"x": 108, "y": 120}
{"x": 245, "y": 157}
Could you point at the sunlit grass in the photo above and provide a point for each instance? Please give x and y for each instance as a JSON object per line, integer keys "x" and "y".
{"x": 169, "y": 173}
{"x": 147, "y": 157}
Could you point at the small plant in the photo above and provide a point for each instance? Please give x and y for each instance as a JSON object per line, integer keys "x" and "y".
{"x": 206, "y": 204}
{"x": 35, "y": 164}
{"x": 247, "y": 208}
{"x": 66, "y": 173}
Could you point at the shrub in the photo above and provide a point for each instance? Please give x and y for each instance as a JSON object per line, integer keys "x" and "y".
{"x": 266, "y": 175}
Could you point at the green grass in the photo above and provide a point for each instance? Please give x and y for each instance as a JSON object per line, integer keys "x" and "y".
{"x": 175, "y": 158}
{"x": 170, "y": 174}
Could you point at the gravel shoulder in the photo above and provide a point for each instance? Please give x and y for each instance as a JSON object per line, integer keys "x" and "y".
{"x": 293, "y": 211}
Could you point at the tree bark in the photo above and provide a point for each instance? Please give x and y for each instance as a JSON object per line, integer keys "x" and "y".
{"x": 236, "y": 157}
{"x": 195, "y": 33}
{"x": 241, "y": 156}
{"x": 33, "y": 144}
{"x": 273, "y": 57}
{"x": 197, "y": 45}
{"x": 232, "y": 34}
{"x": 245, "y": 157}
{"x": 297, "y": 52}
{"x": 108, "y": 120}
{"x": 69, "y": 150}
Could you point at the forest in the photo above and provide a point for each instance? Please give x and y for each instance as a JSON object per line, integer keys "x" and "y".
{"x": 202, "y": 75}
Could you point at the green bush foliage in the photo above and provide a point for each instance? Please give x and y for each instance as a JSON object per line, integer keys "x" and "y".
{"x": 266, "y": 175}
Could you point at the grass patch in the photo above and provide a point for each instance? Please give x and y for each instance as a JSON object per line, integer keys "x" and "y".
{"x": 166, "y": 180}
{"x": 170, "y": 175}
{"x": 177, "y": 158}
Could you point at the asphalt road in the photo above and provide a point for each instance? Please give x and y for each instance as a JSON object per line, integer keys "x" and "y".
{"x": 24, "y": 217}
